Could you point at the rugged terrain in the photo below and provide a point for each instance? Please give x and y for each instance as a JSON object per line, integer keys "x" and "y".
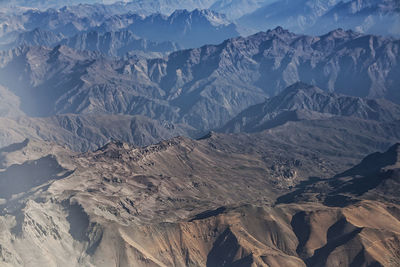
{"x": 203, "y": 87}
{"x": 187, "y": 203}
{"x": 117, "y": 148}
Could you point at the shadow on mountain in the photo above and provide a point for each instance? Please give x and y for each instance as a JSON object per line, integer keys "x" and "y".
{"x": 80, "y": 227}
{"x": 338, "y": 235}
{"x": 301, "y": 227}
{"x": 301, "y": 188}
{"x": 14, "y": 147}
{"x": 22, "y": 178}
{"x": 373, "y": 163}
{"x": 377, "y": 177}
{"x": 224, "y": 251}
{"x": 78, "y": 221}
{"x": 208, "y": 213}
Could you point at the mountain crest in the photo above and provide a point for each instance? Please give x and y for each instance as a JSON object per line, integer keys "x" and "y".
{"x": 281, "y": 32}
{"x": 301, "y": 86}
{"x": 115, "y": 145}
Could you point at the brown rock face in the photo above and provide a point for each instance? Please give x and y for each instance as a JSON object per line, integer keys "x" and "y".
{"x": 189, "y": 203}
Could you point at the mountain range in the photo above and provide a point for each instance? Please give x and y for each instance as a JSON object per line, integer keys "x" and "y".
{"x": 232, "y": 8}
{"x": 306, "y": 16}
{"x": 162, "y": 133}
{"x": 52, "y": 27}
{"x": 203, "y": 87}
{"x": 114, "y": 44}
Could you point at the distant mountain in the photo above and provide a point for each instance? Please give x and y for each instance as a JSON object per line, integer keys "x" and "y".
{"x": 303, "y": 16}
{"x": 60, "y": 21}
{"x": 367, "y": 16}
{"x": 235, "y": 9}
{"x": 203, "y": 87}
{"x": 166, "y": 7}
{"x": 317, "y": 17}
{"x": 44, "y": 4}
{"x": 231, "y": 8}
{"x": 117, "y": 43}
{"x": 187, "y": 28}
{"x": 36, "y": 37}
{"x": 82, "y": 29}
{"x": 296, "y": 16}
{"x": 305, "y": 102}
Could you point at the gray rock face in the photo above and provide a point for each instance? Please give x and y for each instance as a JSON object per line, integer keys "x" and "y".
{"x": 305, "y": 102}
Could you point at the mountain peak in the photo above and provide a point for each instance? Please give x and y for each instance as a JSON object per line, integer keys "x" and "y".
{"x": 299, "y": 89}
{"x": 340, "y": 33}
{"x": 213, "y": 17}
{"x": 281, "y": 33}
{"x": 278, "y": 30}
{"x": 301, "y": 86}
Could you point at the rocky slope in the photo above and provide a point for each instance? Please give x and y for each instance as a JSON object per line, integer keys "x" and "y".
{"x": 180, "y": 203}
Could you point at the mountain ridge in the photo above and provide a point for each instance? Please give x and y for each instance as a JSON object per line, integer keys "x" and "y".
{"x": 301, "y": 101}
